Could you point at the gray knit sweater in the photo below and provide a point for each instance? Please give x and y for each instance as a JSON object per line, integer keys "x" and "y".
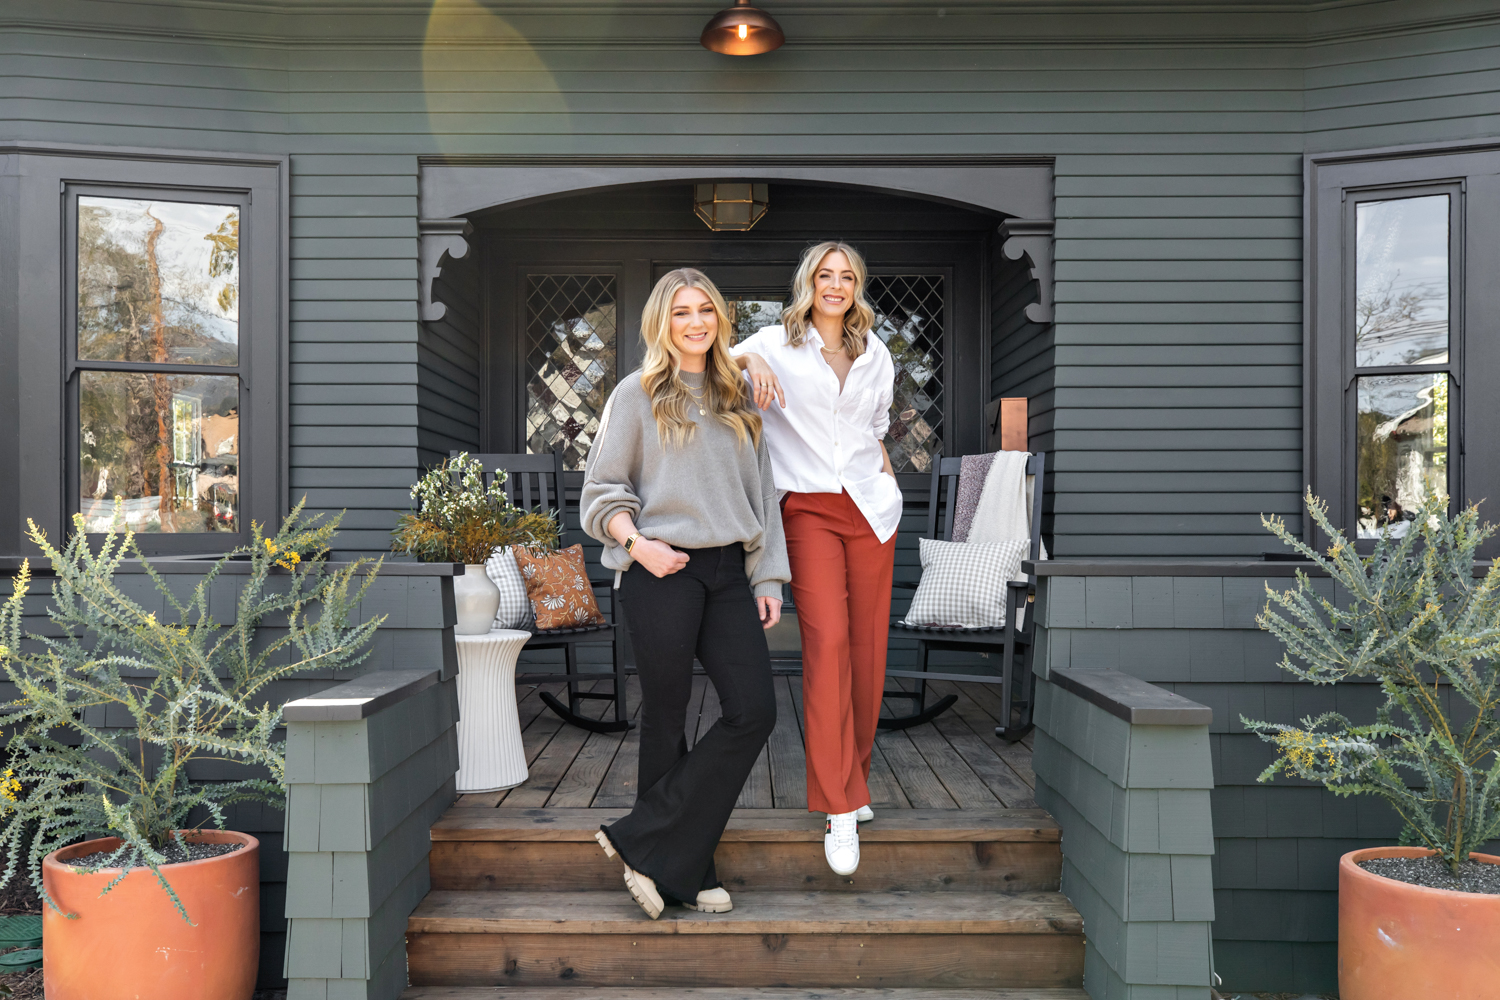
{"x": 711, "y": 491}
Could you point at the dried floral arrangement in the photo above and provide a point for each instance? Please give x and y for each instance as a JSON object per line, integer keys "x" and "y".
{"x": 457, "y": 518}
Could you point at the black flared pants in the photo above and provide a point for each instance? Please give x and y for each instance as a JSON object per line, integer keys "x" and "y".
{"x": 683, "y": 799}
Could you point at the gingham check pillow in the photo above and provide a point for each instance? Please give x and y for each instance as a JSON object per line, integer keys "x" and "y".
{"x": 963, "y": 583}
{"x": 515, "y": 606}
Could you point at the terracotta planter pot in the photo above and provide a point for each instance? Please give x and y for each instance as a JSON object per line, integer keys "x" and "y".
{"x": 1403, "y": 942}
{"x": 132, "y": 943}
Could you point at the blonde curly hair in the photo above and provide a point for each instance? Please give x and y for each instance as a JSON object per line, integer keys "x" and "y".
{"x": 725, "y": 394}
{"x": 859, "y": 319}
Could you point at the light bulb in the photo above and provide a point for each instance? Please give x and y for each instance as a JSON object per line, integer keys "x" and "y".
{"x": 744, "y": 32}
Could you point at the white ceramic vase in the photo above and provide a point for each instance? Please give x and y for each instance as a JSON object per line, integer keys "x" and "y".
{"x": 477, "y": 599}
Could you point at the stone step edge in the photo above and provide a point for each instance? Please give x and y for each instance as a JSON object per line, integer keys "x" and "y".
{"x": 613, "y": 912}
{"x": 467, "y": 823}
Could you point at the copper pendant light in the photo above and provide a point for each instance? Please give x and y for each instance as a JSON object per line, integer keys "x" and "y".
{"x": 742, "y": 30}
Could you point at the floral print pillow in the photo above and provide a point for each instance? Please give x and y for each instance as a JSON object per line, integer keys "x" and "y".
{"x": 558, "y": 586}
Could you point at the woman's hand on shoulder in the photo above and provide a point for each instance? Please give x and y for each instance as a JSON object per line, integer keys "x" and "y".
{"x": 763, "y": 380}
{"x": 769, "y": 609}
{"x": 659, "y": 558}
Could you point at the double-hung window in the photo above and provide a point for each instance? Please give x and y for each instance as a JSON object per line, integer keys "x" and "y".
{"x": 1401, "y": 349}
{"x": 156, "y": 358}
{"x": 150, "y": 352}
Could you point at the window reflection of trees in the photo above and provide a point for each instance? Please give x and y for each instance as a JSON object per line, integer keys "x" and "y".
{"x": 1401, "y": 282}
{"x": 1401, "y": 318}
{"x": 158, "y": 284}
{"x": 1401, "y": 430}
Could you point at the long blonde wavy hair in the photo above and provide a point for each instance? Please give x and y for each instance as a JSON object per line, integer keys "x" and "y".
{"x": 859, "y": 319}
{"x": 724, "y": 392}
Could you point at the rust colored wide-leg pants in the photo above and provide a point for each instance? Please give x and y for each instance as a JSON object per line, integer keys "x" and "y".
{"x": 841, "y": 583}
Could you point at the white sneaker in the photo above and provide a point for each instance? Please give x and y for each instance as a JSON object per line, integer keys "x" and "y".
{"x": 642, "y": 887}
{"x": 864, "y": 814}
{"x": 712, "y": 901}
{"x": 841, "y": 842}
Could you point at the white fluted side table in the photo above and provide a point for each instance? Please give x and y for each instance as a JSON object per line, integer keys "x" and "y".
{"x": 490, "y": 755}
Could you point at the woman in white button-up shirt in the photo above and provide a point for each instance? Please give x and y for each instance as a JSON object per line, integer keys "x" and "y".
{"x": 833, "y": 380}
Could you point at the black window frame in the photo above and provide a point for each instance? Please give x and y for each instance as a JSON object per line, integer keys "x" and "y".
{"x": 48, "y": 371}
{"x": 1336, "y": 183}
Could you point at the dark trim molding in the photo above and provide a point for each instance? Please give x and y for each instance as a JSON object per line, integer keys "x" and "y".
{"x": 142, "y": 153}
{"x": 1019, "y": 188}
{"x": 1031, "y": 241}
{"x": 1204, "y": 567}
{"x": 360, "y": 698}
{"x": 1330, "y": 180}
{"x": 44, "y": 177}
{"x": 1130, "y": 698}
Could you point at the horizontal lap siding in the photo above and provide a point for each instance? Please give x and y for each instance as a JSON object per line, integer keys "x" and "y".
{"x": 1178, "y": 342}
{"x": 1277, "y": 844}
{"x": 448, "y": 357}
{"x": 1168, "y": 393}
{"x": 1023, "y": 357}
{"x": 360, "y": 371}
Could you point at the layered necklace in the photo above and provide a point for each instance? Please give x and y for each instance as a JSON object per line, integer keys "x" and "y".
{"x": 697, "y": 397}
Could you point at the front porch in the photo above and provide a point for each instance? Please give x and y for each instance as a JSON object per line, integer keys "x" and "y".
{"x": 390, "y": 887}
{"x": 957, "y": 887}
{"x": 955, "y": 762}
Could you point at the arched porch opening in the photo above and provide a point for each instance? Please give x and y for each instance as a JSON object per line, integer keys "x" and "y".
{"x": 532, "y": 298}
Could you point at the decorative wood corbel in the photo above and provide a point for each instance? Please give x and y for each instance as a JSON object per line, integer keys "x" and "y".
{"x": 1032, "y": 239}
{"x": 438, "y": 242}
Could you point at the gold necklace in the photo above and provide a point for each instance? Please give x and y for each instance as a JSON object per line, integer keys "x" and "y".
{"x": 697, "y": 396}
{"x": 835, "y": 352}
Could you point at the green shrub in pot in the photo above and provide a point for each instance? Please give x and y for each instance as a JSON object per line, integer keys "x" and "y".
{"x": 195, "y": 690}
{"x": 1418, "y": 622}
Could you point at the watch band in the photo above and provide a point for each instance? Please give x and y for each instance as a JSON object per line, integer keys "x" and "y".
{"x": 630, "y": 542}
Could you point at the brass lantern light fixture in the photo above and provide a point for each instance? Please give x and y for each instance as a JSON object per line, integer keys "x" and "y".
{"x": 742, "y": 30}
{"x": 734, "y": 206}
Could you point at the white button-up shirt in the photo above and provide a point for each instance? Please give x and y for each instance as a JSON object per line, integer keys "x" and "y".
{"x": 827, "y": 441}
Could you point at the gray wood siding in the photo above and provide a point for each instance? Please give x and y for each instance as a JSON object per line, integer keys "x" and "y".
{"x": 360, "y": 370}
{"x": 1023, "y": 359}
{"x": 1168, "y": 391}
{"x": 448, "y": 359}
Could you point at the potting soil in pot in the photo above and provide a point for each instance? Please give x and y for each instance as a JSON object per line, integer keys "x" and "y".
{"x": 1473, "y": 876}
{"x": 175, "y": 853}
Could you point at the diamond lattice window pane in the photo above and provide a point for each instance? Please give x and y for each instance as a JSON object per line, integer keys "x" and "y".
{"x": 909, "y": 317}
{"x": 570, "y": 361}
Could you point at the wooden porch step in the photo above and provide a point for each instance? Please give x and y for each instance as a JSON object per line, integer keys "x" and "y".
{"x": 729, "y": 993}
{"x": 1021, "y": 825}
{"x": 801, "y": 939}
{"x": 772, "y": 850}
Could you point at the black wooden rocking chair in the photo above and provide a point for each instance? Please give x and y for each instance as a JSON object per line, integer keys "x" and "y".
{"x": 535, "y": 482}
{"x": 1014, "y": 644}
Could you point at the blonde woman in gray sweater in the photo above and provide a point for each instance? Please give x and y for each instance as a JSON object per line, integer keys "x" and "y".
{"x": 678, "y": 487}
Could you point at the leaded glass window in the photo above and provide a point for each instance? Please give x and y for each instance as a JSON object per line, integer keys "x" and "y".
{"x": 157, "y": 347}
{"x": 570, "y": 361}
{"x": 909, "y": 318}
{"x": 1401, "y": 358}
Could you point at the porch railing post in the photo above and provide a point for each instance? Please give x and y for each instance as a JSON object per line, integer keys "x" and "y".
{"x": 1126, "y": 769}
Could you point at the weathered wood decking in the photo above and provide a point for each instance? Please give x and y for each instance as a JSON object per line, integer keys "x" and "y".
{"x": 956, "y": 762}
